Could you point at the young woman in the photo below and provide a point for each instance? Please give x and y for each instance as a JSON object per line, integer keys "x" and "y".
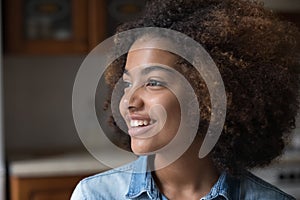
{"x": 256, "y": 55}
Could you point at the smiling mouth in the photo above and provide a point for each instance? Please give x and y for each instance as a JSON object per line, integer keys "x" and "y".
{"x": 141, "y": 128}
{"x": 140, "y": 123}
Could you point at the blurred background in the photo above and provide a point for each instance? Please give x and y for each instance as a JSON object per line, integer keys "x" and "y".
{"x": 43, "y": 45}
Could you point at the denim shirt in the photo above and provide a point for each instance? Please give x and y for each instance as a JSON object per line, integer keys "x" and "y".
{"x": 132, "y": 181}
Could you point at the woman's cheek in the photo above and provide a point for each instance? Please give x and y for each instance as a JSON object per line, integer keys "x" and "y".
{"x": 122, "y": 106}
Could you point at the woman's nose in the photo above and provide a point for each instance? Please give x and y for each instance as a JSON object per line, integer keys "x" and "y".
{"x": 135, "y": 100}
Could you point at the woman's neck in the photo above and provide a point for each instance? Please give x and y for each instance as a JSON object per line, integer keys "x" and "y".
{"x": 186, "y": 178}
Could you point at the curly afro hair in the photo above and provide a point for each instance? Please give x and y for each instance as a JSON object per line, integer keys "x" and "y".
{"x": 257, "y": 56}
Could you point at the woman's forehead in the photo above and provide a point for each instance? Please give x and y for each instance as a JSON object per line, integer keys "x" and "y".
{"x": 142, "y": 57}
{"x": 153, "y": 42}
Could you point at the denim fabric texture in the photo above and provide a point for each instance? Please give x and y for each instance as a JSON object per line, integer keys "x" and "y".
{"x": 133, "y": 181}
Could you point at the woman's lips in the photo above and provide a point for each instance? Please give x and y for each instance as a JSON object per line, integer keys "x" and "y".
{"x": 140, "y": 126}
{"x": 141, "y": 130}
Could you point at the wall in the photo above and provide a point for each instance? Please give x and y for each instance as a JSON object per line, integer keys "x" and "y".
{"x": 38, "y": 104}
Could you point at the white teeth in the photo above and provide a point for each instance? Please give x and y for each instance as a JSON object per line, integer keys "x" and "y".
{"x": 135, "y": 123}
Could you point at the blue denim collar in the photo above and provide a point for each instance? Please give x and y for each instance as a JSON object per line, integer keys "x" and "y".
{"x": 142, "y": 183}
{"x": 226, "y": 186}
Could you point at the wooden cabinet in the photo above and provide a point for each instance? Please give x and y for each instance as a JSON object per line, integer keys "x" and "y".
{"x": 53, "y": 26}
{"x": 46, "y": 188}
{"x": 52, "y": 177}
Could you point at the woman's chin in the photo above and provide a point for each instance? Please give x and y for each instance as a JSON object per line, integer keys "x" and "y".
{"x": 142, "y": 150}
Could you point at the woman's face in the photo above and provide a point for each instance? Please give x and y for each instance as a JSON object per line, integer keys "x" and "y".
{"x": 149, "y": 107}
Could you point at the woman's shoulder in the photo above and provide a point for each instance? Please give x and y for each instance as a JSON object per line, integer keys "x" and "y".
{"x": 110, "y": 173}
{"x": 253, "y": 187}
{"x": 102, "y": 185}
{"x": 111, "y": 176}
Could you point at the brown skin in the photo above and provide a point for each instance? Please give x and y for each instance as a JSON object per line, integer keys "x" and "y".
{"x": 142, "y": 99}
{"x": 188, "y": 177}
{"x": 174, "y": 181}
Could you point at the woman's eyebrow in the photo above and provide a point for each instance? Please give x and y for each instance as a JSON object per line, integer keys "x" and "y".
{"x": 147, "y": 70}
{"x": 150, "y": 69}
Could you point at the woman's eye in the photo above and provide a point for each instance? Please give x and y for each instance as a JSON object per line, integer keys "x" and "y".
{"x": 127, "y": 84}
{"x": 154, "y": 83}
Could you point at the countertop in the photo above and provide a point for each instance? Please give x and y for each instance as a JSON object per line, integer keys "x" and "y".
{"x": 61, "y": 165}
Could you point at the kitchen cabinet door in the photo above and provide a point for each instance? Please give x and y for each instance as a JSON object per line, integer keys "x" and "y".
{"x": 46, "y": 188}
{"x": 53, "y": 26}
